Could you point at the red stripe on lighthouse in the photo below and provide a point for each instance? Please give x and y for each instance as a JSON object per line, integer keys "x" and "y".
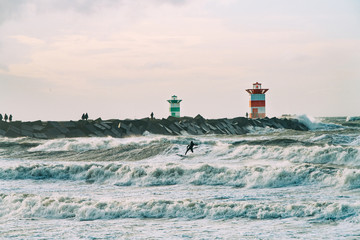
{"x": 257, "y": 103}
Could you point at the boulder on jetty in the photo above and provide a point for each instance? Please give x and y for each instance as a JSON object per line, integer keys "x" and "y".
{"x": 123, "y": 128}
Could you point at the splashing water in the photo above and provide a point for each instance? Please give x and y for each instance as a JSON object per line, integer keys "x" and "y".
{"x": 283, "y": 183}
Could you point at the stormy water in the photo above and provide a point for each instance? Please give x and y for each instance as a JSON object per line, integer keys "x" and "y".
{"x": 268, "y": 184}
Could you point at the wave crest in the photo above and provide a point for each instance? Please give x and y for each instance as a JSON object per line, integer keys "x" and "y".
{"x": 314, "y": 124}
{"x": 30, "y": 206}
{"x": 246, "y": 176}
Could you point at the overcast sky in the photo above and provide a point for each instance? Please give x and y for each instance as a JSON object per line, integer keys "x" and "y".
{"x": 125, "y": 58}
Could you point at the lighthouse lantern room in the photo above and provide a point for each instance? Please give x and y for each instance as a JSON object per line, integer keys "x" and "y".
{"x": 257, "y": 101}
{"x": 174, "y": 106}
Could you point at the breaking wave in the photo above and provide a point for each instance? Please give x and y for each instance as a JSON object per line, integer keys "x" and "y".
{"x": 335, "y": 155}
{"x": 339, "y": 149}
{"x": 246, "y": 176}
{"x": 32, "y": 206}
{"x": 352, "y": 118}
{"x": 314, "y": 124}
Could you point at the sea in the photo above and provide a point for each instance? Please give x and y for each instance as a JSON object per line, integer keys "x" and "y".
{"x": 267, "y": 184}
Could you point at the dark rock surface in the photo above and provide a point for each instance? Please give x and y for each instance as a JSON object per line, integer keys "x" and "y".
{"x": 124, "y": 128}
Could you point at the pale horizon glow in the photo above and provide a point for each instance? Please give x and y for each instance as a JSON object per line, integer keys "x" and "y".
{"x": 126, "y": 58}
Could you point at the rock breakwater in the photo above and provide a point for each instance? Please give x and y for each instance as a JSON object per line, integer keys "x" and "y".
{"x": 123, "y": 128}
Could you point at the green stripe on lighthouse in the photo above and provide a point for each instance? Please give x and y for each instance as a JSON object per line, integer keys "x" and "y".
{"x": 174, "y": 109}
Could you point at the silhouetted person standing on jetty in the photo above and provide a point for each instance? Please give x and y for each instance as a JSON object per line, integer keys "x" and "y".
{"x": 190, "y": 147}
{"x": 85, "y": 116}
{"x": 10, "y": 118}
{"x": 152, "y": 115}
{"x": 6, "y": 117}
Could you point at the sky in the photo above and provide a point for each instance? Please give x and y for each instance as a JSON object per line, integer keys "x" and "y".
{"x": 124, "y": 58}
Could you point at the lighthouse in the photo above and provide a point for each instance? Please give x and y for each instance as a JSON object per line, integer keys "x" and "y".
{"x": 174, "y": 106}
{"x": 257, "y": 101}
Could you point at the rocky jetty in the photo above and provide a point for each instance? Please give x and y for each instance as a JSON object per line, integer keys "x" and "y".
{"x": 124, "y": 128}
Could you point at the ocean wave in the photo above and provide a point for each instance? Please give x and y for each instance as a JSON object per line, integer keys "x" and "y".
{"x": 296, "y": 153}
{"x": 86, "y": 149}
{"x": 103, "y": 143}
{"x": 174, "y": 144}
{"x": 22, "y": 142}
{"x": 32, "y": 206}
{"x": 283, "y": 142}
{"x": 88, "y": 144}
{"x": 315, "y": 124}
{"x": 337, "y": 139}
{"x": 350, "y": 179}
{"x": 353, "y": 118}
{"x": 340, "y": 149}
{"x": 246, "y": 176}
{"x": 102, "y": 149}
{"x": 254, "y": 130}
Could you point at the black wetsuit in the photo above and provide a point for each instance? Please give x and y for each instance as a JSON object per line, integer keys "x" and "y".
{"x": 190, "y": 147}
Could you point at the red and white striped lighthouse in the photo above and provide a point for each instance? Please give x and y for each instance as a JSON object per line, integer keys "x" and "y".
{"x": 257, "y": 101}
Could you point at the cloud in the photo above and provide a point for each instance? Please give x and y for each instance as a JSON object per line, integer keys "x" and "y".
{"x": 28, "y": 40}
{"x": 115, "y": 51}
{"x": 90, "y": 6}
{"x": 4, "y": 68}
{"x": 10, "y": 9}
{"x": 16, "y": 8}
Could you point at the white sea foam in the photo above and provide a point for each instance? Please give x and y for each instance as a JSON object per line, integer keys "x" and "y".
{"x": 338, "y": 139}
{"x": 30, "y": 206}
{"x": 338, "y": 149}
{"x": 328, "y": 154}
{"x": 315, "y": 124}
{"x": 75, "y": 144}
{"x": 353, "y": 118}
{"x": 289, "y": 181}
{"x": 254, "y": 130}
{"x": 93, "y": 143}
{"x": 277, "y": 177}
{"x": 266, "y": 176}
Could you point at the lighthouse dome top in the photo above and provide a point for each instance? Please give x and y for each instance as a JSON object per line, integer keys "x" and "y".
{"x": 257, "y": 89}
{"x": 257, "y": 85}
{"x": 174, "y": 99}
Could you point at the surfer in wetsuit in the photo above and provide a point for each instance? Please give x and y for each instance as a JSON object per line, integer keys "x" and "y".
{"x": 190, "y": 147}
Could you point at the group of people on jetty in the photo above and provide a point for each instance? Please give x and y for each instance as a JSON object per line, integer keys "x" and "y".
{"x": 6, "y": 117}
{"x": 85, "y": 116}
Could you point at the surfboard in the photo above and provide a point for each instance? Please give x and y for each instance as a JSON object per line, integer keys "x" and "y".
{"x": 181, "y": 155}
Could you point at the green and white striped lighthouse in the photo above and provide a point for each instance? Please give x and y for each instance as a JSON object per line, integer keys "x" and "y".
{"x": 174, "y": 106}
